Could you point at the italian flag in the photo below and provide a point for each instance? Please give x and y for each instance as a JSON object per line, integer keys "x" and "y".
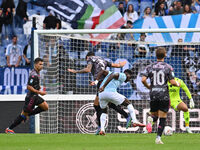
{"x": 106, "y": 17}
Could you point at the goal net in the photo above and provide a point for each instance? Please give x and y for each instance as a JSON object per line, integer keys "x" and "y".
{"x": 70, "y": 97}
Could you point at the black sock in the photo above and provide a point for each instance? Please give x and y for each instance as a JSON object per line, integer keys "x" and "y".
{"x": 155, "y": 118}
{"x": 118, "y": 109}
{"x": 161, "y": 126}
{"x": 36, "y": 111}
{"x": 98, "y": 112}
{"x": 17, "y": 121}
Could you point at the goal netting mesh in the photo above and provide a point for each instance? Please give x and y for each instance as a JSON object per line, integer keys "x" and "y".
{"x": 70, "y": 97}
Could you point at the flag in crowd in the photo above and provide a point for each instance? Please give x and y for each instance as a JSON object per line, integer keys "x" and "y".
{"x": 85, "y": 14}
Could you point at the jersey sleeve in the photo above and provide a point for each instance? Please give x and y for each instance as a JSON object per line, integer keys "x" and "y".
{"x": 109, "y": 64}
{"x": 33, "y": 80}
{"x": 185, "y": 88}
{"x": 145, "y": 72}
{"x": 122, "y": 77}
{"x": 89, "y": 61}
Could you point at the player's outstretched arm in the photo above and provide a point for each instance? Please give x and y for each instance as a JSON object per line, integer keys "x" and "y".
{"x": 30, "y": 88}
{"x": 99, "y": 75}
{"x": 118, "y": 65}
{"x": 84, "y": 70}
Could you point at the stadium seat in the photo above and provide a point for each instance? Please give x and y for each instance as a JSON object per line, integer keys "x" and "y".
{"x": 135, "y": 5}
{"x": 2, "y": 56}
{"x": 18, "y": 31}
{"x": 31, "y": 12}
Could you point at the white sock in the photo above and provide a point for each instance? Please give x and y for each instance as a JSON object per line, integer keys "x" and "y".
{"x": 132, "y": 112}
{"x": 103, "y": 121}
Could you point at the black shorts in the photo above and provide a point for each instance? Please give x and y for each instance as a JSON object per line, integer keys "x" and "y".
{"x": 159, "y": 101}
{"x": 31, "y": 101}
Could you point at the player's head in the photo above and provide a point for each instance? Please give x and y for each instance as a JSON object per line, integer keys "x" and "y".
{"x": 160, "y": 53}
{"x": 128, "y": 73}
{"x": 38, "y": 64}
{"x": 89, "y": 54}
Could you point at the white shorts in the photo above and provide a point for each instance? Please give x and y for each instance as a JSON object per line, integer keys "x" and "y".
{"x": 113, "y": 97}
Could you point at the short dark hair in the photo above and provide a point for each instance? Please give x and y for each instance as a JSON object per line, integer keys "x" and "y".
{"x": 89, "y": 54}
{"x": 14, "y": 36}
{"x": 121, "y": 3}
{"x": 160, "y": 53}
{"x": 130, "y": 22}
{"x": 128, "y": 71}
{"x": 37, "y": 60}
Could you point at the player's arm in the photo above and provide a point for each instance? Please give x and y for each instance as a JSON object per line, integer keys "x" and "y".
{"x": 99, "y": 75}
{"x": 187, "y": 91}
{"x": 112, "y": 76}
{"x": 30, "y": 86}
{"x": 144, "y": 81}
{"x": 118, "y": 65}
{"x": 84, "y": 70}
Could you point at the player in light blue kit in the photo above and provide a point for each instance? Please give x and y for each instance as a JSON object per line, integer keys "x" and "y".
{"x": 108, "y": 93}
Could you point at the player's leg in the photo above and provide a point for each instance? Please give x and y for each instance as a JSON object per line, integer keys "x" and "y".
{"x": 103, "y": 102}
{"x": 16, "y": 122}
{"x": 98, "y": 113}
{"x": 122, "y": 112}
{"x": 28, "y": 107}
{"x": 183, "y": 107}
{"x": 42, "y": 106}
{"x": 131, "y": 110}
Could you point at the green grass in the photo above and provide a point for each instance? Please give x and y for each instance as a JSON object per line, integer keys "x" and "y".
{"x": 93, "y": 142}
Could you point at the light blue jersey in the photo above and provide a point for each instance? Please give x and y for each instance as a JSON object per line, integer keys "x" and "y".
{"x": 113, "y": 84}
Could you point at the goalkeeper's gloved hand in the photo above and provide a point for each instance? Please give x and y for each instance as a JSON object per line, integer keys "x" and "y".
{"x": 191, "y": 103}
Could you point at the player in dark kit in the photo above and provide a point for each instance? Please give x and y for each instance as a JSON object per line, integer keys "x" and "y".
{"x": 159, "y": 73}
{"x": 32, "y": 97}
{"x": 94, "y": 65}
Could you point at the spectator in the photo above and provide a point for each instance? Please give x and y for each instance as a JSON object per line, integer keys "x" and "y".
{"x": 161, "y": 11}
{"x": 129, "y": 36}
{"x": 181, "y": 50}
{"x": 14, "y": 53}
{"x": 197, "y": 6}
{"x": 8, "y": 21}
{"x": 157, "y": 6}
{"x": 187, "y": 2}
{"x": 177, "y": 9}
{"x": 187, "y": 9}
{"x": 1, "y": 19}
{"x": 27, "y": 53}
{"x": 147, "y": 12}
{"x": 21, "y": 16}
{"x": 8, "y": 4}
{"x": 121, "y": 8}
{"x": 142, "y": 49}
{"x": 50, "y": 22}
{"x": 130, "y": 14}
{"x": 194, "y": 10}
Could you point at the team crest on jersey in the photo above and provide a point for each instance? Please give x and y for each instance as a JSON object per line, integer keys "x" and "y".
{"x": 86, "y": 119}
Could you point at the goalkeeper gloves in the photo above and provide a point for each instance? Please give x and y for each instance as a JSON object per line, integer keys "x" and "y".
{"x": 191, "y": 103}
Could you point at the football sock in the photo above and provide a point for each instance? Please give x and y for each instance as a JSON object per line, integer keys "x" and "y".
{"x": 118, "y": 109}
{"x": 36, "y": 111}
{"x": 17, "y": 121}
{"x": 103, "y": 121}
{"x": 98, "y": 112}
{"x": 132, "y": 112}
{"x": 187, "y": 118}
{"x": 161, "y": 126}
{"x": 155, "y": 118}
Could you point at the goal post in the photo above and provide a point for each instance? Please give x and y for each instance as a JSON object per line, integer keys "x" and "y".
{"x": 70, "y": 97}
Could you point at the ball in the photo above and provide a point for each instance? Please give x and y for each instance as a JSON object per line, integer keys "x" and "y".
{"x": 168, "y": 131}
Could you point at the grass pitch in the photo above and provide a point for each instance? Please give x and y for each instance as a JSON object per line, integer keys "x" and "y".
{"x": 93, "y": 142}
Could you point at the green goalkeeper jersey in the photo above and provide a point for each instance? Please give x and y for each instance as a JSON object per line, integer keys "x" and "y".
{"x": 174, "y": 91}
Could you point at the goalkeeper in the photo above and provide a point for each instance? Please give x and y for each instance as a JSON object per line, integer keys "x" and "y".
{"x": 176, "y": 102}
